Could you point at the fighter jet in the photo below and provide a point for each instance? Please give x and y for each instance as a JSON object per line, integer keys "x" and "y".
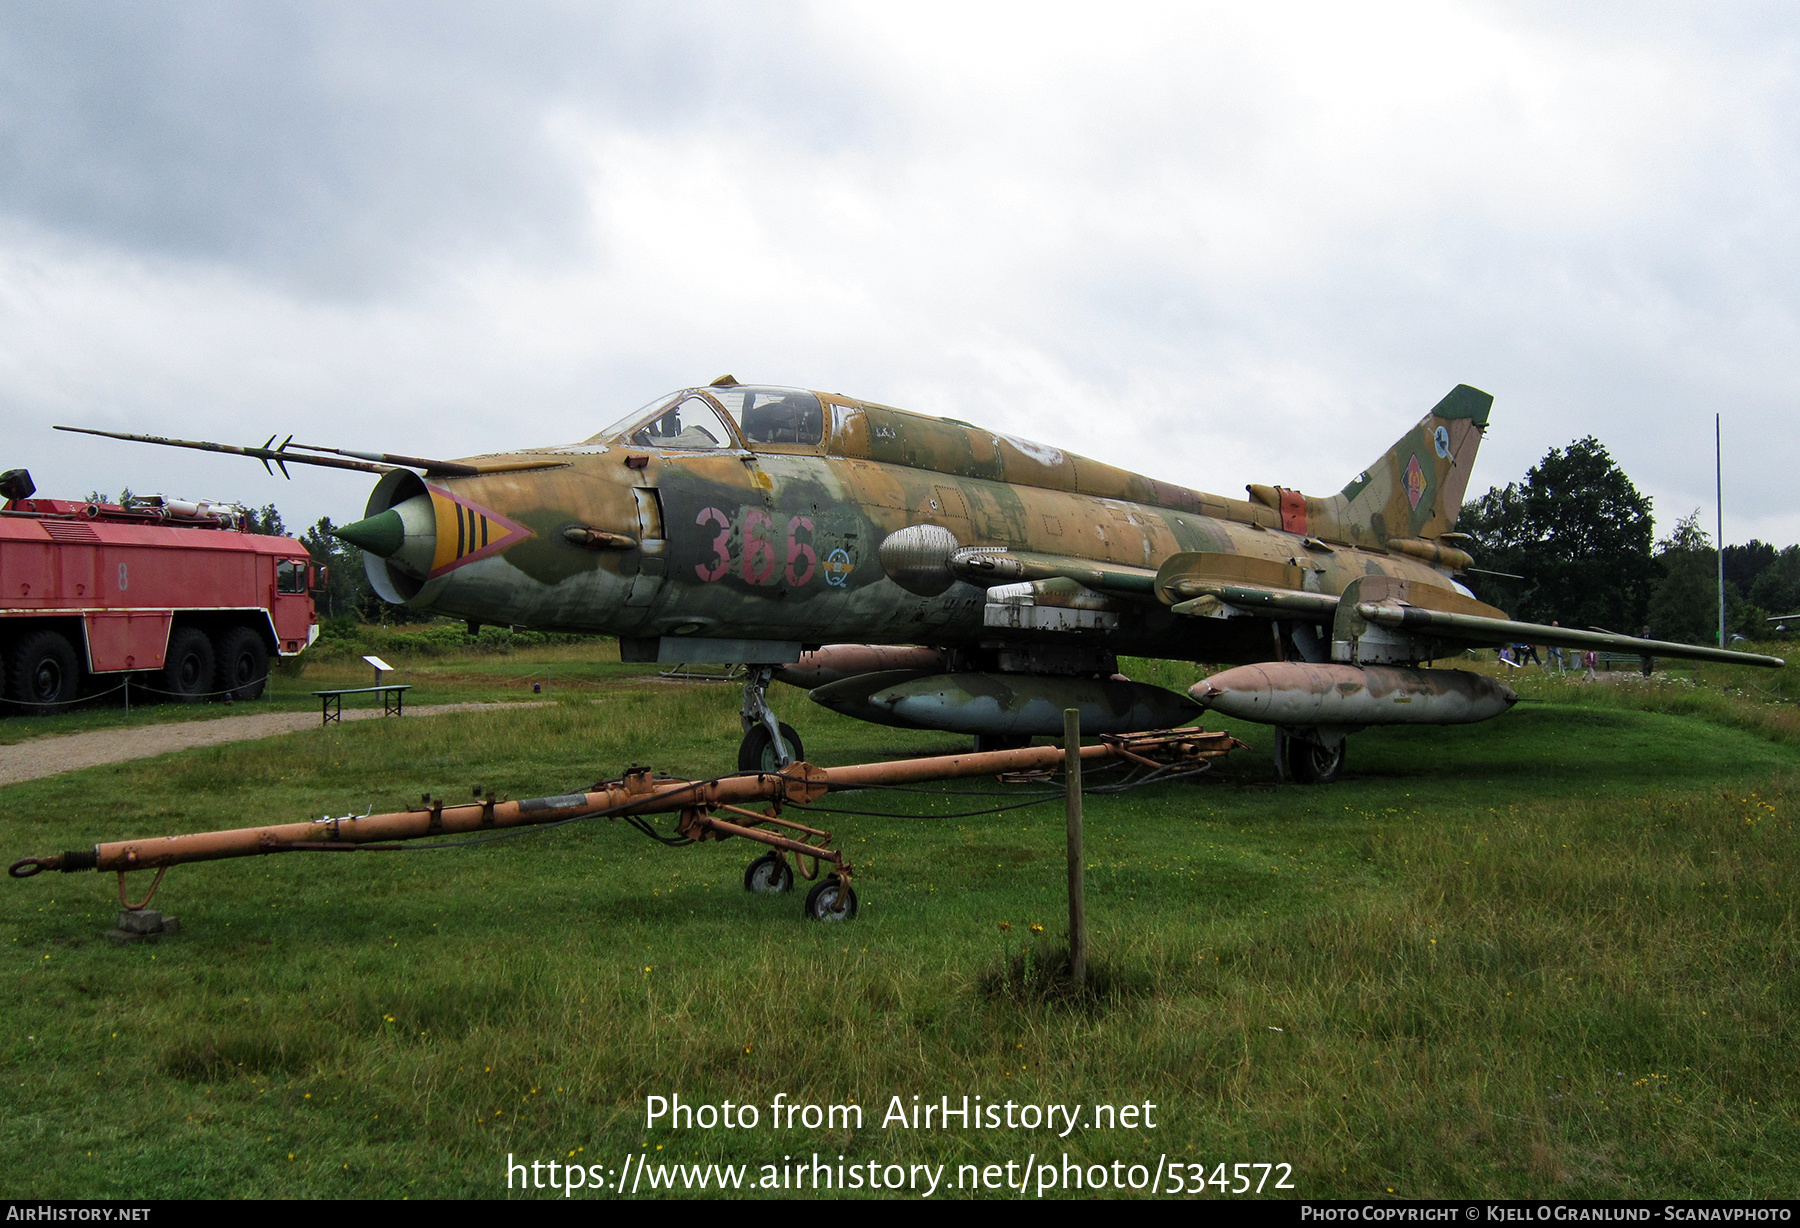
{"x": 924, "y": 572}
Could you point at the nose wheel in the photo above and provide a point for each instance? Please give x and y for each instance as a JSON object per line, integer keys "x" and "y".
{"x": 769, "y": 745}
{"x": 758, "y": 752}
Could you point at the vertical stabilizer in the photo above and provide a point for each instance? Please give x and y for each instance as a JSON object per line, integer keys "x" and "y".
{"x": 1414, "y": 491}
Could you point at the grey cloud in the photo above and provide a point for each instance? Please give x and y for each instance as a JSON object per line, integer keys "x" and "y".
{"x": 341, "y": 148}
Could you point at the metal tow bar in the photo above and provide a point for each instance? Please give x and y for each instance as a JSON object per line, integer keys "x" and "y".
{"x": 699, "y": 803}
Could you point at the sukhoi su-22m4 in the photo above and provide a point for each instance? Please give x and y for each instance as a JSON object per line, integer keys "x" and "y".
{"x": 927, "y": 573}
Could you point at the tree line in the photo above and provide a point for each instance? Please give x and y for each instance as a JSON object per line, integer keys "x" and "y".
{"x": 1576, "y": 545}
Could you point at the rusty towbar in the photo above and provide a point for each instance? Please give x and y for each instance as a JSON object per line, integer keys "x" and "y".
{"x": 700, "y": 803}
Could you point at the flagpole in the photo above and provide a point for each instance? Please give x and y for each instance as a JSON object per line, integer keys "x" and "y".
{"x": 1719, "y": 502}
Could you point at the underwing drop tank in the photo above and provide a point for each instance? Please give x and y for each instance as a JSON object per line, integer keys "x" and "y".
{"x": 1304, "y": 695}
{"x": 836, "y": 662}
{"x": 1004, "y": 705}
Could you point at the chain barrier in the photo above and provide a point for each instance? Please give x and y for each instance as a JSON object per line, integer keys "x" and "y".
{"x": 139, "y": 686}
{"x": 64, "y": 703}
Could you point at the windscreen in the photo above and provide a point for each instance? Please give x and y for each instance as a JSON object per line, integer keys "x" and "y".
{"x": 691, "y": 420}
{"x": 686, "y": 420}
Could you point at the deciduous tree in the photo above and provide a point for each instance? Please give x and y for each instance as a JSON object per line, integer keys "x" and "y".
{"x": 1578, "y": 533}
{"x": 1685, "y": 606}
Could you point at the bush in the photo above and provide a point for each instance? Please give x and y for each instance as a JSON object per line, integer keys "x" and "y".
{"x": 344, "y": 637}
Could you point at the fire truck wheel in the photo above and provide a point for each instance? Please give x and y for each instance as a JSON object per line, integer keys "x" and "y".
{"x": 243, "y": 664}
{"x": 187, "y": 673}
{"x": 43, "y": 674}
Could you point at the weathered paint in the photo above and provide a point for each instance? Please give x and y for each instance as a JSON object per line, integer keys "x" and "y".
{"x": 1004, "y": 704}
{"x": 1301, "y": 695}
{"x": 836, "y": 662}
{"x": 780, "y": 541}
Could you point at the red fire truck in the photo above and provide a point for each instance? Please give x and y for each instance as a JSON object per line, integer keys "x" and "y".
{"x": 175, "y": 597}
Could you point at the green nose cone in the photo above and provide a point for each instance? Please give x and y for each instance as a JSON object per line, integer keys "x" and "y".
{"x": 381, "y": 535}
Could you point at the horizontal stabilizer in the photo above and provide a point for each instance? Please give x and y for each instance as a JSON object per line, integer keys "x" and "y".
{"x": 1474, "y": 629}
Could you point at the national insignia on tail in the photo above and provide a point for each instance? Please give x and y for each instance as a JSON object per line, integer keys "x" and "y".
{"x": 1415, "y": 482}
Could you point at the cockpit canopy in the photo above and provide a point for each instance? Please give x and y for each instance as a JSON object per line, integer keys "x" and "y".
{"x": 722, "y": 417}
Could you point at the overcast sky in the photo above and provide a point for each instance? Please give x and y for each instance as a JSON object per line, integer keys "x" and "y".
{"x": 1212, "y": 244}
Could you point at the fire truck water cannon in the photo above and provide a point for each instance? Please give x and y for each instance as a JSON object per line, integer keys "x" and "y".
{"x": 715, "y": 809}
{"x": 167, "y": 508}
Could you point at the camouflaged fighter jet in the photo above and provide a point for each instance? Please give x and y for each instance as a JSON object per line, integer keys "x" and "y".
{"x": 923, "y": 572}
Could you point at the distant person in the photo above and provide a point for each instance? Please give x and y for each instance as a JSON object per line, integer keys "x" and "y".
{"x": 1647, "y": 662}
{"x": 1556, "y": 652}
{"x": 1528, "y": 655}
{"x": 1590, "y": 659}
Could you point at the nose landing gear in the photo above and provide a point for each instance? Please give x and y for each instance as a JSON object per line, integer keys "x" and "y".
{"x": 769, "y": 744}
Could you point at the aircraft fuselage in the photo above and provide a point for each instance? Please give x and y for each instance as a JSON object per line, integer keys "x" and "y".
{"x": 779, "y": 541}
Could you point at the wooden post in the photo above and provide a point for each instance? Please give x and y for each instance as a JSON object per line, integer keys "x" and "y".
{"x": 1077, "y": 898}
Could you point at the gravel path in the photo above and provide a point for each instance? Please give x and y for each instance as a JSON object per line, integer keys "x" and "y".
{"x": 70, "y": 752}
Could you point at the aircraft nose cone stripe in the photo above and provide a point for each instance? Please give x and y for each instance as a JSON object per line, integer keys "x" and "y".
{"x": 467, "y": 531}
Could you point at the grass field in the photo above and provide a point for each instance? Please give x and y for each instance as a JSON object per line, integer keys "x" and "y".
{"x": 1551, "y": 955}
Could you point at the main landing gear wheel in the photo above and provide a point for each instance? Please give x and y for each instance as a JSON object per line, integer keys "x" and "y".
{"x": 831, "y": 900}
{"x": 1310, "y": 763}
{"x": 757, "y": 751}
{"x": 769, "y": 874}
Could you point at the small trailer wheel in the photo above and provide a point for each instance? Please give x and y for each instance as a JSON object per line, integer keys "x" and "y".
{"x": 831, "y": 900}
{"x": 769, "y": 874}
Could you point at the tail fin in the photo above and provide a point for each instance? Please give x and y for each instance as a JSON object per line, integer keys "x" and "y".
{"x": 1415, "y": 490}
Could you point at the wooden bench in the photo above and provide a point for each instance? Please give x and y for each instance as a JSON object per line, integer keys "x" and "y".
{"x": 393, "y": 699}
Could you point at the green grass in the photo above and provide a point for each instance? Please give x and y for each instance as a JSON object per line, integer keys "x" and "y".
{"x": 490, "y": 671}
{"x": 1550, "y": 955}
